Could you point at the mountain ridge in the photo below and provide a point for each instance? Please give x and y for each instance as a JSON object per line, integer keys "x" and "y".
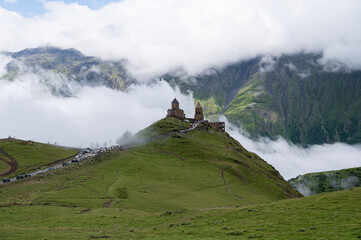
{"x": 70, "y": 63}
{"x": 294, "y": 96}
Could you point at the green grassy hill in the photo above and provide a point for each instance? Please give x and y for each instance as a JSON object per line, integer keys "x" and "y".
{"x": 314, "y": 183}
{"x": 29, "y": 155}
{"x": 333, "y": 215}
{"x": 173, "y": 176}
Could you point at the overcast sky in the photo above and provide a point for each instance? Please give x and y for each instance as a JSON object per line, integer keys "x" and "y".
{"x": 161, "y": 35}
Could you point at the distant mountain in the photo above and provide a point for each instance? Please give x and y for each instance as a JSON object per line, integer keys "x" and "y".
{"x": 69, "y": 64}
{"x": 294, "y": 96}
{"x": 313, "y": 183}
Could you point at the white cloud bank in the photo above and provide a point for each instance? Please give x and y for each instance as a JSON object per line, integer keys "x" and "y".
{"x": 28, "y": 110}
{"x": 291, "y": 160}
{"x": 162, "y": 35}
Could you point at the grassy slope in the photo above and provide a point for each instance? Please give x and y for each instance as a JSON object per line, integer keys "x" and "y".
{"x": 3, "y": 167}
{"x": 166, "y": 125}
{"x": 32, "y": 155}
{"x": 324, "y": 216}
{"x": 176, "y": 176}
{"x": 250, "y": 108}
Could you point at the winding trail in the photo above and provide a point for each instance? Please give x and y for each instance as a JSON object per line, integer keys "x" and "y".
{"x": 108, "y": 204}
{"x": 12, "y": 163}
{"x": 227, "y": 187}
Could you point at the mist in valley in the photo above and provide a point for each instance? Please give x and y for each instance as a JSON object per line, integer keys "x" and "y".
{"x": 100, "y": 116}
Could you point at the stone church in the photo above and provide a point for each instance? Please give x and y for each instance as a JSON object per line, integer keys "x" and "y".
{"x": 176, "y": 112}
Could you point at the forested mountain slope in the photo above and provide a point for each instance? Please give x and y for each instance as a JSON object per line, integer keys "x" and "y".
{"x": 294, "y": 96}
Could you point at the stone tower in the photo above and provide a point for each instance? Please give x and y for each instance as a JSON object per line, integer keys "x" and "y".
{"x": 175, "y": 104}
{"x": 175, "y": 111}
{"x": 199, "y": 112}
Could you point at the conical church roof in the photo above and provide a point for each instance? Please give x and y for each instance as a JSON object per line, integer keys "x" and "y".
{"x": 199, "y": 105}
{"x": 175, "y": 101}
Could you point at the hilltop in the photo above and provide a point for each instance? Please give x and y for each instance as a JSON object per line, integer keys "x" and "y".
{"x": 172, "y": 172}
{"x": 314, "y": 183}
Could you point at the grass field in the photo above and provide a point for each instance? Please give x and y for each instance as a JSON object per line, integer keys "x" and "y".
{"x": 334, "y": 215}
{"x": 3, "y": 167}
{"x": 32, "y": 155}
{"x": 197, "y": 185}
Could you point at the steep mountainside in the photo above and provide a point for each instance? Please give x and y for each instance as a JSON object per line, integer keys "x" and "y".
{"x": 313, "y": 183}
{"x": 293, "y": 96}
{"x": 52, "y": 63}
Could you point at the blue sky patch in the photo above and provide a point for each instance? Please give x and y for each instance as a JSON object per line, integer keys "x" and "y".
{"x": 31, "y": 8}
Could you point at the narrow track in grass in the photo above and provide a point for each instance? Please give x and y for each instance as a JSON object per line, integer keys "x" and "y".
{"x": 12, "y": 163}
{"x": 108, "y": 204}
{"x": 227, "y": 187}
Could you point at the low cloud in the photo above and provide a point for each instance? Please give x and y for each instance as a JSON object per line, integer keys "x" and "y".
{"x": 4, "y": 60}
{"x": 99, "y": 115}
{"x": 291, "y": 160}
{"x": 160, "y": 36}
{"x": 29, "y": 110}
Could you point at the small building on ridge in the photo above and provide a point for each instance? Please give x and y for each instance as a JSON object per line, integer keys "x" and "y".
{"x": 176, "y": 112}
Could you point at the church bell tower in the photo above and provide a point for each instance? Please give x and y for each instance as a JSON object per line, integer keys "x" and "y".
{"x": 199, "y": 112}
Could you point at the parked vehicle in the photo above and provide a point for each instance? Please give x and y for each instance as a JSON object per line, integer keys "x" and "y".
{"x": 27, "y": 175}
{"x": 74, "y": 160}
{"x": 19, "y": 177}
{"x": 64, "y": 164}
{"x": 5, "y": 180}
{"x": 51, "y": 168}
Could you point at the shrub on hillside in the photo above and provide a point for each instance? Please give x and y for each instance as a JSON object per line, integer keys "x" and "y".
{"x": 121, "y": 192}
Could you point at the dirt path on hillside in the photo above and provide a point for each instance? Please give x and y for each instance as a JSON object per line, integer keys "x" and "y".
{"x": 227, "y": 187}
{"x": 12, "y": 163}
{"x": 108, "y": 204}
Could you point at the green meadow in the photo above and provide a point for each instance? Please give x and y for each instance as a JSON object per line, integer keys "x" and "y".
{"x": 201, "y": 184}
